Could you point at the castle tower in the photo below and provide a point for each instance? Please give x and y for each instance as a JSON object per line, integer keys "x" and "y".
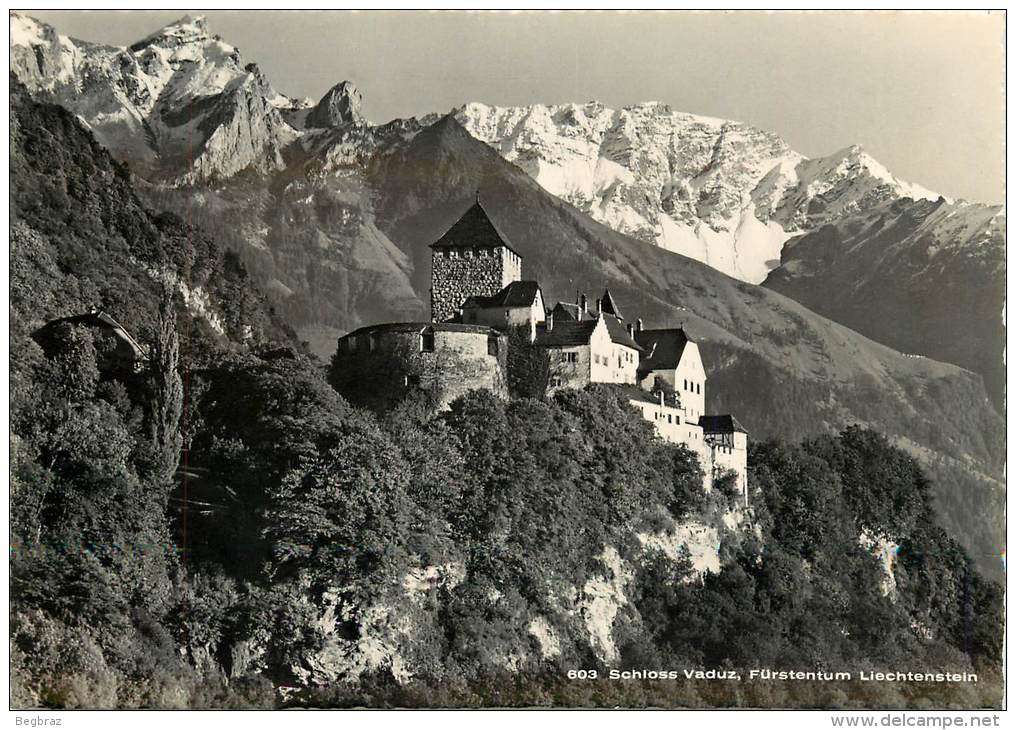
{"x": 472, "y": 258}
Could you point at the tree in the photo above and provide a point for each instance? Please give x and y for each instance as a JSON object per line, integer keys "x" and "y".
{"x": 167, "y": 393}
{"x": 528, "y": 366}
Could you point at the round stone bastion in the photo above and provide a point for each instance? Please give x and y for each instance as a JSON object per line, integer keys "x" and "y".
{"x": 378, "y": 365}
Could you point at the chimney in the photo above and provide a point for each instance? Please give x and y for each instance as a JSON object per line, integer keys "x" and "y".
{"x": 631, "y": 330}
{"x": 599, "y": 307}
{"x": 660, "y": 393}
{"x": 582, "y": 304}
{"x": 638, "y": 324}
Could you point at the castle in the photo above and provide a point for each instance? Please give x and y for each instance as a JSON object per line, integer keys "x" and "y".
{"x": 478, "y": 296}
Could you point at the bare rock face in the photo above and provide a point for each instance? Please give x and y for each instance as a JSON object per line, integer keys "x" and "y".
{"x": 339, "y": 107}
{"x": 718, "y": 191}
{"x": 178, "y": 105}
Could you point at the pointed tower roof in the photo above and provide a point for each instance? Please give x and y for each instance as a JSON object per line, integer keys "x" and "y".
{"x": 474, "y": 228}
{"x": 608, "y": 306}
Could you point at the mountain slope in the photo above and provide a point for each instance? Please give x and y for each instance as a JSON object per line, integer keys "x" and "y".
{"x": 923, "y": 277}
{"x": 80, "y": 238}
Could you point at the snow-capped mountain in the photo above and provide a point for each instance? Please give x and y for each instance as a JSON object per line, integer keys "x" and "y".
{"x": 718, "y": 191}
{"x": 179, "y": 104}
{"x": 182, "y": 105}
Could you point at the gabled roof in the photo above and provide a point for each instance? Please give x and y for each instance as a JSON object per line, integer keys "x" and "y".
{"x": 516, "y": 294}
{"x": 720, "y": 424}
{"x": 564, "y": 320}
{"x": 665, "y": 348}
{"x": 608, "y": 305}
{"x": 567, "y": 310}
{"x": 565, "y": 333}
{"x": 619, "y": 333}
{"x": 474, "y": 228}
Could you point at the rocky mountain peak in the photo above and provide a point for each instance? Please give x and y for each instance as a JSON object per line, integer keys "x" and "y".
{"x": 340, "y": 106}
{"x": 186, "y": 30}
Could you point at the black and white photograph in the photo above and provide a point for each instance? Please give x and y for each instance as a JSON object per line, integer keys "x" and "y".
{"x": 507, "y": 360}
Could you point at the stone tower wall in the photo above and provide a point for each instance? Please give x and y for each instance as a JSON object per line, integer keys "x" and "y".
{"x": 459, "y": 273}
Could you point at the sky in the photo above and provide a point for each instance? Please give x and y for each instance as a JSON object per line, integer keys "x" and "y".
{"x": 922, "y": 92}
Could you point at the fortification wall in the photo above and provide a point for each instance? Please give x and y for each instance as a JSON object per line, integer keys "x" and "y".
{"x": 379, "y": 366}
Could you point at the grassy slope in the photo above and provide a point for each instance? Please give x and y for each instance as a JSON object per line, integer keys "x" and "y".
{"x": 922, "y": 295}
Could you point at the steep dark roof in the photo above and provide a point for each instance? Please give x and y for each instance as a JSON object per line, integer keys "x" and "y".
{"x": 619, "y": 333}
{"x": 608, "y": 305}
{"x": 474, "y": 228}
{"x": 516, "y": 294}
{"x": 565, "y": 333}
{"x": 720, "y": 424}
{"x": 420, "y": 327}
{"x": 664, "y": 347}
{"x": 567, "y": 310}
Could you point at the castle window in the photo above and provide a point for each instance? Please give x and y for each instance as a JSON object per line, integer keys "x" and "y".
{"x": 426, "y": 342}
{"x": 698, "y": 388}
{"x": 670, "y": 418}
{"x": 686, "y": 384}
{"x": 492, "y": 345}
{"x": 571, "y": 357}
{"x": 555, "y": 381}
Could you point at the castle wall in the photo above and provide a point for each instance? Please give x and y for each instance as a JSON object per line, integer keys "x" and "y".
{"x": 379, "y": 366}
{"x": 688, "y": 381}
{"x": 567, "y": 373}
{"x": 462, "y": 272}
{"x": 611, "y": 363}
{"x": 716, "y": 452}
{"x": 733, "y": 454}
